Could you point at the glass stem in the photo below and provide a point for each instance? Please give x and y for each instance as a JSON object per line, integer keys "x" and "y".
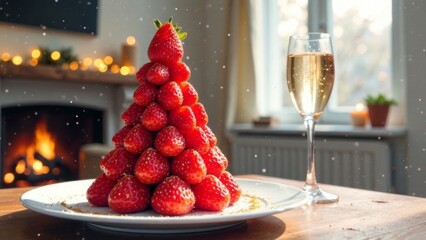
{"x": 311, "y": 181}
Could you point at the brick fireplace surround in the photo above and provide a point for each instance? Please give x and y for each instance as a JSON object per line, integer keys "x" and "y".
{"x": 110, "y": 93}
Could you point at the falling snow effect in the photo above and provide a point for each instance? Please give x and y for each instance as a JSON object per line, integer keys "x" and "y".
{"x": 208, "y": 25}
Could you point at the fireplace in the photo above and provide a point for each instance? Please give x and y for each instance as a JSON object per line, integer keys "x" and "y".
{"x": 60, "y": 103}
{"x": 41, "y": 143}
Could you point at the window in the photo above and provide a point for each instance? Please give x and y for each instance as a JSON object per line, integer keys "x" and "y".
{"x": 362, "y": 44}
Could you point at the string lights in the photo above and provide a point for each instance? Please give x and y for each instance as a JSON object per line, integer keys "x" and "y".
{"x": 65, "y": 59}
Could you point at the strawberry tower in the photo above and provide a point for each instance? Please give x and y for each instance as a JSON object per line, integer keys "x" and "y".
{"x": 165, "y": 156}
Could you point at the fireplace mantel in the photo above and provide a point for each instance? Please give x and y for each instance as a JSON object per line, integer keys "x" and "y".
{"x": 46, "y": 72}
{"x": 50, "y": 85}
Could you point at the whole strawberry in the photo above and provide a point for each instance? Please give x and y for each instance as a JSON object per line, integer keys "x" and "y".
{"x": 154, "y": 117}
{"x": 232, "y": 185}
{"x": 129, "y": 196}
{"x": 211, "y": 194}
{"x": 182, "y": 118}
{"x": 108, "y": 156}
{"x": 169, "y": 141}
{"x": 190, "y": 95}
{"x": 189, "y": 166}
{"x": 118, "y": 138}
{"x": 200, "y": 114}
{"x": 142, "y": 72}
{"x": 215, "y": 161}
{"x": 132, "y": 114}
{"x": 151, "y": 167}
{"x": 220, "y": 153}
{"x": 138, "y": 139}
{"x": 118, "y": 163}
{"x": 173, "y": 197}
{"x": 158, "y": 74}
{"x": 166, "y": 46}
{"x": 179, "y": 72}
{"x": 210, "y": 135}
{"x": 145, "y": 94}
{"x": 196, "y": 139}
{"x": 97, "y": 193}
{"x": 169, "y": 96}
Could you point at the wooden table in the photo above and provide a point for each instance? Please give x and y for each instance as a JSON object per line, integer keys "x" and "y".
{"x": 359, "y": 214}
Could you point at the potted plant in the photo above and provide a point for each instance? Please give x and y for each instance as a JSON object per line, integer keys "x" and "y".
{"x": 378, "y": 109}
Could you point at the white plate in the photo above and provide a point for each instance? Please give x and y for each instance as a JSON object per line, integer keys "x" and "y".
{"x": 68, "y": 200}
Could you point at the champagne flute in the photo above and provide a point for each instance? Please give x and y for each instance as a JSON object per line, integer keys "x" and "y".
{"x": 310, "y": 79}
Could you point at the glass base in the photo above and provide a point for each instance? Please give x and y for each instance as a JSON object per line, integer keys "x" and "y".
{"x": 317, "y": 196}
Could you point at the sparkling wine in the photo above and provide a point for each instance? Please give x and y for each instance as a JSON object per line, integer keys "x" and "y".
{"x": 310, "y": 79}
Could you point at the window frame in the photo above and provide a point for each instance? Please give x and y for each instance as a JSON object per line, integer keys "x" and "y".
{"x": 320, "y": 19}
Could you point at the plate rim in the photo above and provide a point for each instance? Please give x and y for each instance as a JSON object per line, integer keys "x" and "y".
{"x": 209, "y": 218}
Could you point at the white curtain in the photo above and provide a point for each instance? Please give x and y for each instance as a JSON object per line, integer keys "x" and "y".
{"x": 242, "y": 105}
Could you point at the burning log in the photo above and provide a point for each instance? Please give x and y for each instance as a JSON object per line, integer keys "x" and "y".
{"x": 41, "y": 171}
{"x": 38, "y": 164}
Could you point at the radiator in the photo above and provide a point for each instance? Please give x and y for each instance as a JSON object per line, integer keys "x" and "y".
{"x": 353, "y": 163}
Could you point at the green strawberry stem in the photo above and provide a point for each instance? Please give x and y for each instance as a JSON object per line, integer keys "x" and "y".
{"x": 182, "y": 35}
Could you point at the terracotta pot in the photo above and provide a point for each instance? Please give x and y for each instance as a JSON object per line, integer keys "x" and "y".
{"x": 378, "y": 115}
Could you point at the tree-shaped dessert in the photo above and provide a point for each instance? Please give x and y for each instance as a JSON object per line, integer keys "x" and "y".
{"x": 165, "y": 157}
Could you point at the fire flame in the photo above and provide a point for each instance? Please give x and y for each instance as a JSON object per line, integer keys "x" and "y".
{"x": 44, "y": 144}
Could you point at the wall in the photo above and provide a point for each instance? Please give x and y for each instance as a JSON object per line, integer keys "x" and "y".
{"x": 205, "y": 47}
{"x": 117, "y": 19}
{"x": 414, "y": 34}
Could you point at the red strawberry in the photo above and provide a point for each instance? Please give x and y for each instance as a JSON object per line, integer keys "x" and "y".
{"x": 118, "y": 138}
{"x": 173, "y": 197}
{"x": 215, "y": 161}
{"x": 145, "y": 94}
{"x": 97, "y": 193}
{"x": 108, "y": 156}
{"x": 196, "y": 139}
{"x": 154, "y": 117}
{"x": 169, "y": 141}
{"x": 151, "y": 167}
{"x": 231, "y": 184}
{"x": 141, "y": 73}
{"x": 182, "y": 118}
{"x": 118, "y": 163}
{"x": 132, "y": 114}
{"x": 211, "y": 194}
{"x": 189, "y": 166}
{"x": 190, "y": 95}
{"x": 210, "y": 135}
{"x": 138, "y": 139}
{"x": 158, "y": 74}
{"x": 169, "y": 96}
{"x": 166, "y": 46}
{"x": 220, "y": 153}
{"x": 179, "y": 72}
{"x": 200, "y": 114}
{"x": 129, "y": 196}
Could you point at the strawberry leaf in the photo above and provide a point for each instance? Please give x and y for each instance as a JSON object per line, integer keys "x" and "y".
{"x": 157, "y": 23}
{"x": 182, "y": 35}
